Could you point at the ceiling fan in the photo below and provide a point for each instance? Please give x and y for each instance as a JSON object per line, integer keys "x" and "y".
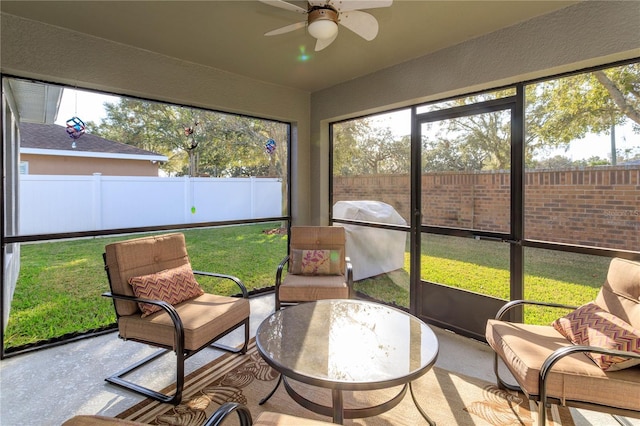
{"x": 323, "y": 17}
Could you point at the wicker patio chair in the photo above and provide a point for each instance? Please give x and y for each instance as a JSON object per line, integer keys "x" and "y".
{"x": 159, "y": 303}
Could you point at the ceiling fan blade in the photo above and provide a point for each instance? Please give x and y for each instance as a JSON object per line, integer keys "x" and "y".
{"x": 322, "y": 43}
{"x": 284, "y": 5}
{"x": 361, "y": 23}
{"x": 317, "y": 2}
{"x": 286, "y": 29}
{"x": 349, "y": 5}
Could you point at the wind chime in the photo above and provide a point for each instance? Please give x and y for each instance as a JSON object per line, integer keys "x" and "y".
{"x": 75, "y": 127}
{"x": 192, "y": 145}
{"x": 270, "y": 146}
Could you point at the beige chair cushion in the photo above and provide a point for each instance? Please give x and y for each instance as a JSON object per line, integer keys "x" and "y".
{"x": 268, "y": 418}
{"x": 142, "y": 256}
{"x": 524, "y": 348}
{"x": 620, "y": 293}
{"x": 304, "y": 288}
{"x": 203, "y": 318}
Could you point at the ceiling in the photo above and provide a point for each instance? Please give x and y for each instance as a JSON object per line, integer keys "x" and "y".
{"x": 228, "y": 35}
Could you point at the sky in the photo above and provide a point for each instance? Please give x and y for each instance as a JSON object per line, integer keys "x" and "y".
{"x": 593, "y": 145}
{"x": 89, "y": 106}
{"x": 600, "y": 145}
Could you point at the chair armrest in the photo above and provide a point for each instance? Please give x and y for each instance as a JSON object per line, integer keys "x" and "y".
{"x": 167, "y": 307}
{"x": 244, "y": 415}
{"x": 558, "y": 354}
{"x": 164, "y": 305}
{"x": 514, "y": 303}
{"x": 236, "y": 280}
{"x": 281, "y": 266}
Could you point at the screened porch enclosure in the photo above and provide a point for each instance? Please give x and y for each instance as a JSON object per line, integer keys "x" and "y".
{"x": 501, "y": 201}
{"x": 223, "y": 182}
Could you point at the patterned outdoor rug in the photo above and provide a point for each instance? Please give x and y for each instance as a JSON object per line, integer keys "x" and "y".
{"x": 448, "y": 398}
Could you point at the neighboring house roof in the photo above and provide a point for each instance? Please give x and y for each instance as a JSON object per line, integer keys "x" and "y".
{"x": 52, "y": 139}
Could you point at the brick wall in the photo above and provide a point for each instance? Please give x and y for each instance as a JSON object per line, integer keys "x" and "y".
{"x": 597, "y": 206}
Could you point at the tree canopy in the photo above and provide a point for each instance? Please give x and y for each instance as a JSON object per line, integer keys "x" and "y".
{"x": 558, "y": 112}
{"x": 362, "y": 148}
{"x": 198, "y": 142}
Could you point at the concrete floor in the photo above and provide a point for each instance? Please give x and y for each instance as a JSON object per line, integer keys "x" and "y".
{"x": 47, "y": 387}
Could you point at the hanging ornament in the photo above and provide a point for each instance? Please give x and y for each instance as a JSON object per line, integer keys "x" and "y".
{"x": 188, "y": 131}
{"x": 270, "y": 146}
{"x": 75, "y": 127}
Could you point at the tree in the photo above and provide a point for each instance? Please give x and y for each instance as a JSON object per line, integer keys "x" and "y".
{"x": 593, "y": 161}
{"x": 361, "y": 147}
{"x": 629, "y": 154}
{"x": 555, "y": 162}
{"x": 477, "y": 142}
{"x": 151, "y": 126}
{"x": 198, "y": 142}
{"x": 566, "y": 109}
{"x": 623, "y": 86}
{"x": 558, "y": 112}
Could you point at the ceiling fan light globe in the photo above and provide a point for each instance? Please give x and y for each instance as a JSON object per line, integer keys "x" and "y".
{"x": 323, "y": 29}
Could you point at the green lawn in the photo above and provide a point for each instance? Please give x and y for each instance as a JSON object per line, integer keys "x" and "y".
{"x": 483, "y": 267}
{"x": 60, "y": 283}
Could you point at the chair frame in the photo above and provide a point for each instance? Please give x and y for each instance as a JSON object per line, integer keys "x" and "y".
{"x": 542, "y": 398}
{"x": 181, "y": 353}
{"x": 221, "y": 414}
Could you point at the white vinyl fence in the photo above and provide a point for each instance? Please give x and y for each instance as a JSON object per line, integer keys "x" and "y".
{"x": 53, "y": 204}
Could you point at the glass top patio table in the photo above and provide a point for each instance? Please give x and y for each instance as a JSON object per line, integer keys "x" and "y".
{"x": 347, "y": 345}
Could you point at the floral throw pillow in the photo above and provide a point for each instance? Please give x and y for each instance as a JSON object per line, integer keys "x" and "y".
{"x": 315, "y": 262}
{"x": 590, "y": 325}
{"x": 171, "y": 285}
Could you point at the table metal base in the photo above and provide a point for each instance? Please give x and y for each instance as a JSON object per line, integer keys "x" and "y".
{"x": 338, "y": 412}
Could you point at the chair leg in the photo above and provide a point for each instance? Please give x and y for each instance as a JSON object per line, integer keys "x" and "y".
{"x": 118, "y": 379}
{"x": 176, "y": 398}
{"x": 542, "y": 413}
{"x": 246, "y": 337}
{"x": 501, "y": 383}
{"x": 542, "y": 403}
{"x": 243, "y": 349}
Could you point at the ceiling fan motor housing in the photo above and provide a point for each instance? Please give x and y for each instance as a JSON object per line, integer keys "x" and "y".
{"x": 323, "y": 12}
{"x": 322, "y": 22}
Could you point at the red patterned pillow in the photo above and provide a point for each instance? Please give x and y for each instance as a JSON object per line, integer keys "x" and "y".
{"x": 171, "y": 285}
{"x": 315, "y": 262}
{"x": 590, "y": 325}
